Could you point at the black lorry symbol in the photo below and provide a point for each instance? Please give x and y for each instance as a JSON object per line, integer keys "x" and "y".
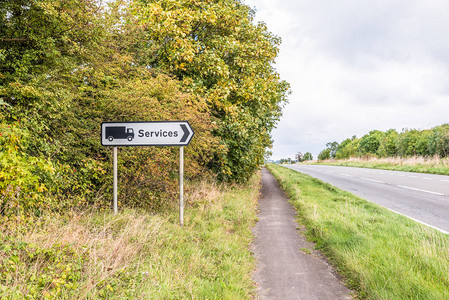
{"x": 119, "y": 132}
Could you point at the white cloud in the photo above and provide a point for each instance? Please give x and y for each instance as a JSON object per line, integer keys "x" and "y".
{"x": 355, "y": 66}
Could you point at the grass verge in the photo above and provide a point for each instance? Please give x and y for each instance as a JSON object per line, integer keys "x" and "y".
{"x": 429, "y": 165}
{"x": 381, "y": 254}
{"x": 135, "y": 255}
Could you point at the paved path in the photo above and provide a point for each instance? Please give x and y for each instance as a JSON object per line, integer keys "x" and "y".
{"x": 284, "y": 270}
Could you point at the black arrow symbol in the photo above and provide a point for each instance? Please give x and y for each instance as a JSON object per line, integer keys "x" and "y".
{"x": 186, "y": 133}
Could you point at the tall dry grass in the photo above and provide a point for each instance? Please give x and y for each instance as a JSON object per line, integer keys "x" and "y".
{"x": 103, "y": 244}
{"x": 135, "y": 254}
{"x": 433, "y": 161}
{"x": 431, "y": 165}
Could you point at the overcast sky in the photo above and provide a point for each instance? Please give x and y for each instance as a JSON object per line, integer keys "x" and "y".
{"x": 358, "y": 65}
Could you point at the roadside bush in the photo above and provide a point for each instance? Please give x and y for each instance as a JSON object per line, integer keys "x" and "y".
{"x": 325, "y": 154}
{"x": 66, "y": 66}
{"x": 388, "y": 145}
{"x": 348, "y": 148}
{"x": 370, "y": 142}
{"x": 407, "y": 141}
{"x": 439, "y": 141}
{"x": 24, "y": 179}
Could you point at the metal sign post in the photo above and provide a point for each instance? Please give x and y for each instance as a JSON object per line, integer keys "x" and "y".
{"x": 115, "y": 180}
{"x": 181, "y": 186}
{"x": 162, "y": 133}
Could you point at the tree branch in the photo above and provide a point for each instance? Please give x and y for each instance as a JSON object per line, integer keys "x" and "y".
{"x": 15, "y": 40}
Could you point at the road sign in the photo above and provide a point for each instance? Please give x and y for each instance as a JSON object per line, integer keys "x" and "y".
{"x": 162, "y": 133}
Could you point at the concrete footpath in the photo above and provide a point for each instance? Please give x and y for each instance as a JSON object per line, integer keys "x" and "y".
{"x": 285, "y": 268}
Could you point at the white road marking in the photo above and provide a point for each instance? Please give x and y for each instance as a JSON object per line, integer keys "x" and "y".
{"x": 444, "y": 180}
{"x": 372, "y": 180}
{"x": 427, "y": 178}
{"x": 343, "y": 174}
{"x": 431, "y": 226}
{"x": 420, "y": 190}
{"x": 412, "y": 176}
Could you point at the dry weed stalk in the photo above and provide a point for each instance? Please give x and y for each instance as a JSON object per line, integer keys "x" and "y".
{"x": 109, "y": 247}
{"x": 405, "y": 161}
{"x": 203, "y": 193}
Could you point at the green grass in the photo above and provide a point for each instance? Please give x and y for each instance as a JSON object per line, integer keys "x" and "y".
{"x": 432, "y": 165}
{"x": 381, "y": 254}
{"x": 136, "y": 255}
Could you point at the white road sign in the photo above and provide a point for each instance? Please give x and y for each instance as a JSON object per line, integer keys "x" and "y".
{"x": 162, "y": 133}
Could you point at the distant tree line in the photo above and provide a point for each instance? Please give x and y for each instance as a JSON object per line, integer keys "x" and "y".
{"x": 299, "y": 157}
{"x": 408, "y": 142}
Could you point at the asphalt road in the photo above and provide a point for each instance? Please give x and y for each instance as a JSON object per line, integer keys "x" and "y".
{"x": 422, "y": 197}
{"x": 288, "y": 266}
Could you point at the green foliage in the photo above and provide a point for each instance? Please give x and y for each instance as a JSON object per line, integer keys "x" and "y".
{"x": 42, "y": 37}
{"x": 388, "y": 145}
{"x": 439, "y": 141}
{"x": 324, "y": 154}
{"x": 42, "y": 44}
{"x": 286, "y": 161}
{"x": 370, "y": 142}
{"x": 307, "y": 156}
{"x": 330, "y": 151}
{"x": 68, "y": 65}
{"x": 407, "y": 142}
{"x": 347, "y": 148}
{"x": 303, "y": 157}
{"x": 333, "y": 147}
{"x": 410, "y": 142}
{"x": 60, "y": 269}
{"x": 422, "y": 144}
{"x": 24, "y": 180}
{"x": 217, "y": 51}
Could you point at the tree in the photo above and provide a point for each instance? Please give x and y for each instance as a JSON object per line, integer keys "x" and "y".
{"x": 407, "y": 141}
{"x": 65, "y": 67}
{"x": 439, "y": 141}
{"x": 422, "y": 145}
{"x": 42, "y": 43}
{"x": 286, "y": 161}
{"x": 219, "y": 53}
{"x": 307, "y": 156}
{"x": 38, "y": 37}
{"x": 388, "y": 145}
{"x": 303, "y": 157}
{"x": 333, "y": 147}
{"x": 370, "y": 142}
{"x": 299, "y": 157}
{"x": 348, "y": 148}
{"x": 68, "y": 65}
{"x": 324, "y": 154}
